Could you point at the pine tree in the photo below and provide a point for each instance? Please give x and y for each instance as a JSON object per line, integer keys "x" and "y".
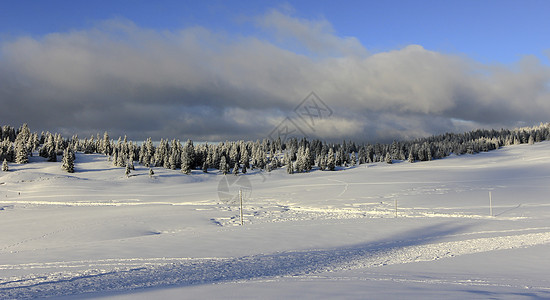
{"x": 121, "y": 159}
{"x": 146, "y": 152}
{"x": 224, "y": 166}
{"x": 244, "y": 169}
{"x": 5, "y": 166}
{"x": 300, "y": 161}
{"x": 127, "y": 170}
{"x": 188, "y": 153}
{"x": 131, "y": 163}
{"x": 322, "y": 162}
{"x": 115, "y": 157}
{"x": 388, "y": 158}
{"x": 245, "y": 157}
{"x": 531, "y": 140}
{"x": 411, "y": 157}
{"x": 68, "y": 160}
{"x": 185, "y": 163}
{"x": 353, "y": 159}
{"x": 289, "y": 166}
{"x": 234, "y": 154}
{"x": 151, "y": 172}
{"x": 331, "y": 165}
{"x": 236, "y": 169}
{"x": 105, "y": 146}
{"x": 307, "y": 160}
{"x": 205, "y": 167}
{"x": 21, "y": 153}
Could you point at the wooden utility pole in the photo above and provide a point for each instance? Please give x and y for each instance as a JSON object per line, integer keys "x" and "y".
{"x": 241, "y": 200}
{"x": 490, "y": 204}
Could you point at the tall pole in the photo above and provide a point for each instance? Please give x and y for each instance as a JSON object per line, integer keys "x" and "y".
{"x": 490, "y": 204}
{"x": 241, "y": 200}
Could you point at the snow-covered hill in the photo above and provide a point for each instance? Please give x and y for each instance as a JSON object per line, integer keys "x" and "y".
{"x": 373, "y": 231}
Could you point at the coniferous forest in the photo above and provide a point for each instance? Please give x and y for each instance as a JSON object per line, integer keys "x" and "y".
{"x": 297, "y": 155}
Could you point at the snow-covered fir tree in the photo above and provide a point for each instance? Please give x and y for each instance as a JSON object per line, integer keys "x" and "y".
{"x": 185, "y": 163}
{"x": 5, "y": 167}
{"x": 128, "y": 170}
{"x": 308, "y": 160}
{"x": 288, "y": 163}
{"x": 353, "y": 159}
{"x": 21, "y": 150}
{"x": 188, "y": 154}
{"x": 105, "y": 145}
{"x": 68, "y": 160}
{"x": 411, "y": 157}
{"x": 244, "y": 156}
{"x": 331, "y": 165}
{"x": 224, "y": 166}
{"x": 388, "y": 158}
{"x": 115, "y": 157}
{"x": 234, "y": 154}
{"x": 21, "y": 153}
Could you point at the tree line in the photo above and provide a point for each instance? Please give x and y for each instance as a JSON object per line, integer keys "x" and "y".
{"x": 296, "y": 155}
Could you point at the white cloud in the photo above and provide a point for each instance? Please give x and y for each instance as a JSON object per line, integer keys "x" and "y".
{"x": 195, "y": 83}
{"x": 317, "y": 36}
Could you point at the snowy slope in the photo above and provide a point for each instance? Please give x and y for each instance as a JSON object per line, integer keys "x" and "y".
{"x": 96, "y": 233}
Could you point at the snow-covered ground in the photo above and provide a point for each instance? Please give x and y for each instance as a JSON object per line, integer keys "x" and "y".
{"x": 96, "y": 233}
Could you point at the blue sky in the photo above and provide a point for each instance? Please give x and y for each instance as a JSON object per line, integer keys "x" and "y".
{"x": 388, "y": 69}
{"x": 489, "y": 31}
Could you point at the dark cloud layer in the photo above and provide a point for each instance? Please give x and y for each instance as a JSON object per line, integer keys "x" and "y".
{"x": 199, "y": 84}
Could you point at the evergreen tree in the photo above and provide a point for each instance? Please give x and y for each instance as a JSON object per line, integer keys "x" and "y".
{"x": 146, "y": 153}
{"x": 245, "y": 157}
{"x": 307, "y": 160}
{"x": 300, "y": 160}
{"x": 21, "y": 153}
{"x": 353, "y": 158}
{"x": 322, "y": 162}
{"x": 388, "y": 158}
{"x": 131, "y": 163}
{"x": 5, "y": 166}
{"x": 289, "y": 166}
{"x": 244, "y": 169}
{"x": 174, "y": 158}
{"x": 68, "y": 160}
{"x": 205, "y": 167}
{"x": 411, "y": 157}
{"x": 21, "y": 150}
{"x": 127, "y": 170}
{"x": 121, "y": 159}
{"x": 151, "y": 172}
{"x": 234, "y": 155}
{"x": 106, "y": 144}
{"x": 331, "y": 165}
{"x": 115, "y": 157}
{"x": 236, "y": 169}
{"x": 188, "y": 154}
{"x": 224, "y": 166}
{"x": 185, "y": 163}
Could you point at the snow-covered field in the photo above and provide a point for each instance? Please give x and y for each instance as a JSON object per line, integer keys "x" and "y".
{"x": 96, "y": 233}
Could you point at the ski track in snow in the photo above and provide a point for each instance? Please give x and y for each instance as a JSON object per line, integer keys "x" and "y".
{"x": 129, "y": 274}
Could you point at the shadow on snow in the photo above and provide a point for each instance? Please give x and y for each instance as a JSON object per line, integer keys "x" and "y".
{"x": 207, "y": 271}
